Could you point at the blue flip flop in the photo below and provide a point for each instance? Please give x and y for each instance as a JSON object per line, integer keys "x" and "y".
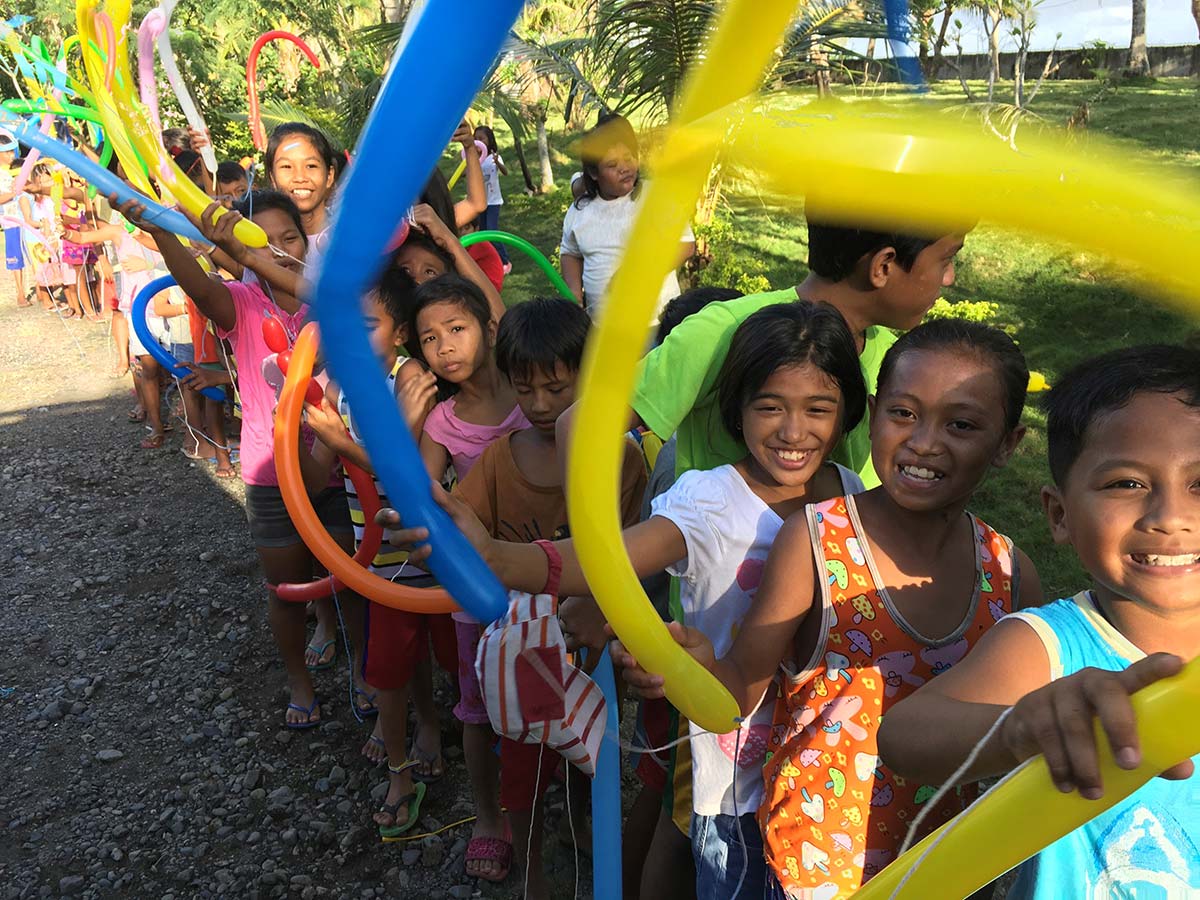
{"x": 366, "y": 711}
{"x": 320, "y": 651}
{"x": 303, "y": 726}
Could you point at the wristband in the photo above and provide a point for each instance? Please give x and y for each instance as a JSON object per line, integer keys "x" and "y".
{"x": 555, "y": 573}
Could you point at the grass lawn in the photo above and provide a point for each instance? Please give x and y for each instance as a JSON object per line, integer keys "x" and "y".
{"x": 1063, "y": 302}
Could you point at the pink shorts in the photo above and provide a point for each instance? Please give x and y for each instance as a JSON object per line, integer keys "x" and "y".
{"x": 470, "y": 709}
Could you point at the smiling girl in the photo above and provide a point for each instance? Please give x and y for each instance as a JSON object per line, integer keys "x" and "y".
{"x": 864, "y": 598}
{"x": 302, "y": 164}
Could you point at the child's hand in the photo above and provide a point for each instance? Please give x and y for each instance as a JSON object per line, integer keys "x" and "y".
{"x": 200, "y": 378}
{"x": 428, "y": 221}
{"x": 582, "y": 623}
{"x": 647, "y": 685}
{"x": 198, "y": 140}
{"x": 135, "y": 212}
{"x": 1056, "y": 721}
{"x": 216, "y": 223}
{"x": 417, "y": 395}
{"x": 326, "y": 422}
{"x": 408, "y": 538}
{"x": 464, "y": 134}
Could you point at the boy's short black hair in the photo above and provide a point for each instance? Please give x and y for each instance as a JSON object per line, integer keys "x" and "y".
{"x": 257, "y": 201}
{"x": 834, "y": 250}
{"x": 228, "y": 172}
{"x": 974, "y": 338}
{"x": 535, "y": 335}
{"x": 397, "y": 292}
{"x": 688, "y": 303}
{"x": 1108, "y": 382}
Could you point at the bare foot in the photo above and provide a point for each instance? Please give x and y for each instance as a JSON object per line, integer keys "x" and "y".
{"x": 394, "y": 813}
{"x": 427, "y": 751}
{"x": 303, "y": 708}
{"x": 374, "y": 749}
{"x": 322, "y": 649}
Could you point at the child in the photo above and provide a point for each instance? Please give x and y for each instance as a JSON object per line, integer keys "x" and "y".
{"x": 301, "y": 163}
{"x": 453, "y": 329}
{"x": 14, "y": 256}
{"x": 791, "y": 385}
{"x": 433, "y": 249}
{"x": 77, "y": 258}
{"x": 37, "y": 209}
{"x": 908, "y": 581}
{"x": 516, "y": 492}
{"x": 493, "y": 167}
{"x": 238, "y": 310}
{"x": 1130, "y": 506}
{"x": 396, "y": 639}
{"x": 878, "y": 281}
{"x": 596, "y": 226}
{"x": 232, "y": 183}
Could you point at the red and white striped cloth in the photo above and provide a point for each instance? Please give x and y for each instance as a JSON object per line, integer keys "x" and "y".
{"x": 533, "y": 694}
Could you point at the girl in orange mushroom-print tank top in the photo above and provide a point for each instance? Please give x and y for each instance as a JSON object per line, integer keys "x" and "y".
{"x": 865, "y": 598}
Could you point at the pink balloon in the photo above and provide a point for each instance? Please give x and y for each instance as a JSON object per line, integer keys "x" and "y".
{"x": 151, "y": 27}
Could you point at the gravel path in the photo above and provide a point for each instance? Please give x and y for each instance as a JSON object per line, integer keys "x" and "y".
{"x": 140, "y": 697}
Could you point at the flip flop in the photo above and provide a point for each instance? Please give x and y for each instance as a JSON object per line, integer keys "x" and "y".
{"x": 303, "y": 726}
{"x": 424, "y": 758}
{"x": 378, "y": 742}
{"x": 413, "y": 802}
{"x": 366, "y": 711}
{"x": 154, "y": 442}
{"x": 494, "y": 850}
{"x": 320, "y": 651}
{"x": 198, "y": 458}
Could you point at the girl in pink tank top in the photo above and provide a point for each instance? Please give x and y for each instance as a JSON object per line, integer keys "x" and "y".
{"x": 863, "y": 599}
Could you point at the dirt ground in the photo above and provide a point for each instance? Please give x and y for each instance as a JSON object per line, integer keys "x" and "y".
{"x": 141, "y": 701}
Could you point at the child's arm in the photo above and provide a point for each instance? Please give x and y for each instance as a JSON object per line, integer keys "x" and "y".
{"x": 427, "y": 220}
{"x": 467, "y": 211}
{"x": 1031, "y": 585}
{"x": 315, "y": 465}
{"x": 211, "y": 297}
{"x": 435, "y": 457}
{"x": 572, "y": 273}
{"x": 98, "y": 235}
{"x": 928, "y": 735}
{"x": 416, "y": 394}
{"x": 332, "y": 434}
{"x": 165, "y": 309}
{"x": 503, "y": 169}
{"x": 219, "y": 230}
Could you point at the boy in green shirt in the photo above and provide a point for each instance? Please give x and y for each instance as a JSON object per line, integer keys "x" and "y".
{"x": 878, "y": 281}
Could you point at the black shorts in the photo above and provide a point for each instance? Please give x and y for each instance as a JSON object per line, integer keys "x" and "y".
{"x": 271, "y": 526}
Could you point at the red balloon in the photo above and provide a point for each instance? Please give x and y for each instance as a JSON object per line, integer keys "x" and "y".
{"x": 282, "y": 359}
{"x": 274, "y": 335}
{"x": 314, "y": 394}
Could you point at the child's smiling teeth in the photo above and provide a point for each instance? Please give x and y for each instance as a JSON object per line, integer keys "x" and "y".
{"x": 1160, "y": 559}
{"x": 921, "y": 473}
{"x": 792, "y": 455}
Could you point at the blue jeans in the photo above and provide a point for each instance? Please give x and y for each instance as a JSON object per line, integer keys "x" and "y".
{"x": 489, "y": 220}
{"x": 720, "y": 860}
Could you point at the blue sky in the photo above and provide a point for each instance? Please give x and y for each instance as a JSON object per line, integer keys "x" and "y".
{"x": 1167, "y": 22}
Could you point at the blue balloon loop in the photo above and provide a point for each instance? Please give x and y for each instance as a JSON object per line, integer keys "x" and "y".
{"x": 413, "y": 118}
{"x": 141, "y": 306}
{"x": 606, "y": 792}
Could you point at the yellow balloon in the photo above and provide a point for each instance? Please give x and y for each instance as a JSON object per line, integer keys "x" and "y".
{"x": 1027, "y": 812}
{"x": 871, "y": 165}
{"x": 137, "y": 125}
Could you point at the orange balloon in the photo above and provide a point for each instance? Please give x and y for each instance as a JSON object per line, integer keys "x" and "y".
{"x": 299, "y": 506}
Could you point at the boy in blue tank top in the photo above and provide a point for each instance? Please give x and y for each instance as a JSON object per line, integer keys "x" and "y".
{"x": 1124, "y": 445}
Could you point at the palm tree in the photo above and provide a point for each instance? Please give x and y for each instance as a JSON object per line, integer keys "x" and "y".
{"x": 1139, "y": 62}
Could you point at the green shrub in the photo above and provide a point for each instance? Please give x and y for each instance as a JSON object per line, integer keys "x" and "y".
{"x": 971, "y": 310}
{"x": 725, "y": 265}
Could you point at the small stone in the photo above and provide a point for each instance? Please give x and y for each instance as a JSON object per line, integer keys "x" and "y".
{"x": 410, "y": 856}
{"x": 461, "y": 891}
{"x": 337, "y": 775}
{"x": 107, "y": 756}
{"x": 354, "y": 836}
{"x": 251, "y": 779}
{"x": 70, "y": 885}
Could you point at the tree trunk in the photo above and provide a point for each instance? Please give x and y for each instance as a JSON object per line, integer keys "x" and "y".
{"x": 1139, "y": 62}
{"x": 543, "y": 145}
{"x": 871, "y": 45}
{"x": 994, "y": 15}
{"x": 393, "y": 11}
{"x": 529, "y": 187}
{"x": 940, "y": 44}
{"x": 1196, "y": 14}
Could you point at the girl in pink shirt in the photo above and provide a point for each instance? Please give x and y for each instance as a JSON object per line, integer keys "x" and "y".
{"x": 238, "y": 310}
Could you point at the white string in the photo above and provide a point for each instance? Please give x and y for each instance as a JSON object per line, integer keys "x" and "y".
{"x": 537, "y": 783}
{"x": 571, "y": 824}
{"x": 937, "y": 798}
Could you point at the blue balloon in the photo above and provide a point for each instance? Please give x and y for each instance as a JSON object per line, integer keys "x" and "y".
{"x": 141, "y": 305}
{"x": 437, "y": 69}
{"x": 606, "y": 794}
{"x": 896, "y": 12}
{"x": 27, "y": 133}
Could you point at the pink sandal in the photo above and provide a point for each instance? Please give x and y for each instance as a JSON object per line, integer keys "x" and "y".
{"x": 493, "y": 850}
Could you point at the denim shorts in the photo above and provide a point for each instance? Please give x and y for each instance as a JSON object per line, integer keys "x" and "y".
{"x": 271, "y": 526}
{"x": 720, "y": 860}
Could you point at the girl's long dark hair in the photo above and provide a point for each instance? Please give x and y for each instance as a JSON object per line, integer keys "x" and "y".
{"x": 611, "y": 130}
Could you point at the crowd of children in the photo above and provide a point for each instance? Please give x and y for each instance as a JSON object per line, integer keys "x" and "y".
{"x": 801, "y": 463}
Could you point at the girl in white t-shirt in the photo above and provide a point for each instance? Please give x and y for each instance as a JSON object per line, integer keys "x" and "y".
{"x": 790, "y": 388}
{"x": 597, "y": 224}
{"x": 493, "y": 167}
